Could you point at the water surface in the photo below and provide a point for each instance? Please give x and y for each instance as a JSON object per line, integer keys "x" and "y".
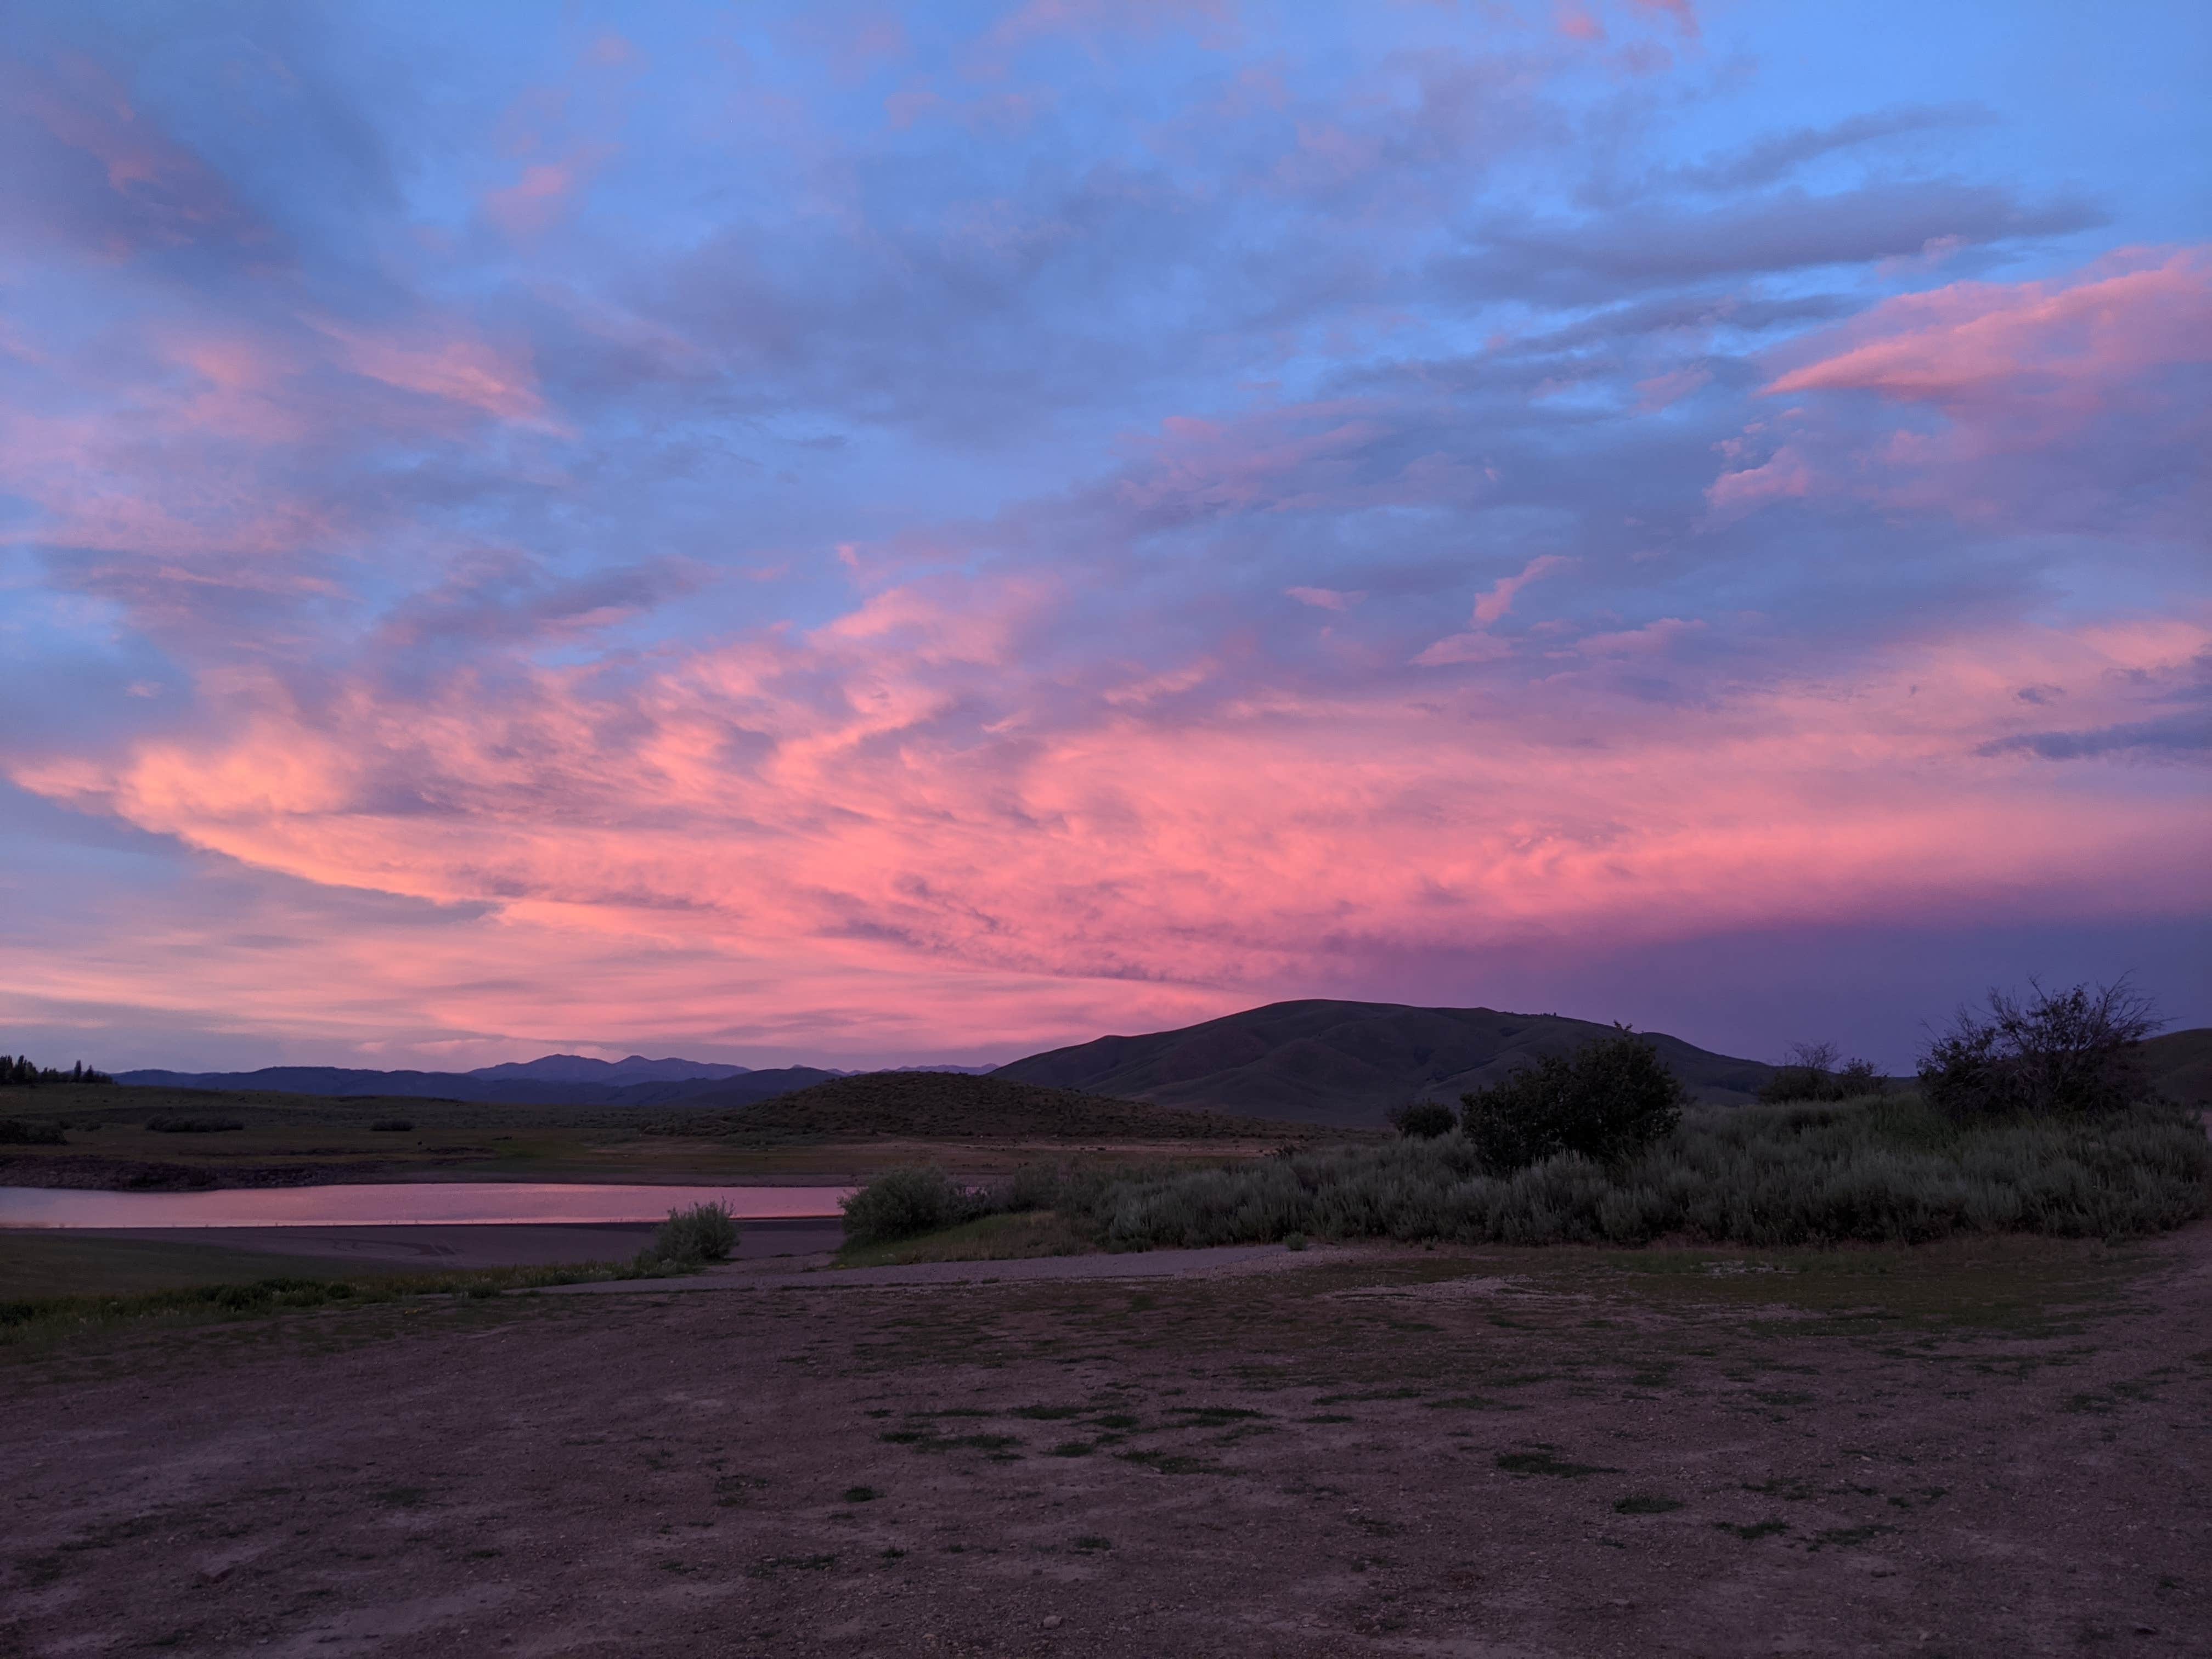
{"x": 401, "y": 1203}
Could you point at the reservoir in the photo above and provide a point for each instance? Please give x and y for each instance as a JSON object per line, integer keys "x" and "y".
{"x": 484, "y": 1203}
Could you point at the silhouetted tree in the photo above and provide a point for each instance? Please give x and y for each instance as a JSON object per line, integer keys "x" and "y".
{"x": 2070, "y": 1053}
{"x": 1607, "y": 1100}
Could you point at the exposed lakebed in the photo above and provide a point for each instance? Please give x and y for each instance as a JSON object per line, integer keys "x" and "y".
{"x": 399, "y": 1204}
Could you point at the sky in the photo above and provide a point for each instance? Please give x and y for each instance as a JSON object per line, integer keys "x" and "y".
{"x": 856, "y": 535}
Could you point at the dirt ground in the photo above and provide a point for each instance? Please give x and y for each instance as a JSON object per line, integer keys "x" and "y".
{"x": 1991, "y": 1449}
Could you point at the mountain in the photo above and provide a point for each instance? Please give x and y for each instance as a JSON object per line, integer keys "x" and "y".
{"x": 635, "y": 1068}
{"x": 1348, "y": 1062}
{"x": 497, "y": 1084}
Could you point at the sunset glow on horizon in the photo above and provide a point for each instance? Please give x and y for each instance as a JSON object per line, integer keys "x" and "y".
{"x": 924, "y": 534}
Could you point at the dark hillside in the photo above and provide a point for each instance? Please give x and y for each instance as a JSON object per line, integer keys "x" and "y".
{"x": 2179, "y": 1065}
{"x": 1348, "y": 1062}
{"x": 932, "y": 1105}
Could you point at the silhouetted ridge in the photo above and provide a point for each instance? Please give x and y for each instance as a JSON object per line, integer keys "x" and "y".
{"x": 1348, "y": 1062}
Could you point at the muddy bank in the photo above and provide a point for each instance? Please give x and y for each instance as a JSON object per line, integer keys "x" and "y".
{"x": 433, "y": 1247}
{"x": 92, "y": 1173}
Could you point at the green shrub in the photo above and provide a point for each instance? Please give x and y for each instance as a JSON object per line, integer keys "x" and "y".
{"x": 169, "y": 1125}
{"x": 2070, "y": 1053}
{"x": 1607, "y": 1100}
{"x": 1424, "y": 1120}
{"x": 705, "y": 1232}
{"x": 14, "y": 1131}
{"x": 393, "y": 1125}
{"x": 901, "y": 1203}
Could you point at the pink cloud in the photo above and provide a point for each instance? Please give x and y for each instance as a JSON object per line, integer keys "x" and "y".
{"x": 2016, "y": 396}
{"x": 1783, "y": 476}
{"x": 172, "y": 197}
{"x": 1499, "y": 599}
{"x": 925, "y": 830}
{"x": 2068, "y": 342}
{"x": 914, "y": 806}
{"x": 1478, "y": 644}
{"x": 532, "y": 202}
{"x": 1576, "y": 23}
{"x": 1663, "y": 390}
{"x": 440, "y": 362}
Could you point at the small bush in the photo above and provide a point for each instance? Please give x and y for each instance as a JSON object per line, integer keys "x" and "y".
{"x": 1811, "y": 1073}
{"x": 705, "y": 1232}
{"x": 901, "y": 1203}
{"x": 2066, "y": 1054}
{"x": 393, "y": 1126}
{"x": 193, "y": 1125}
{"x": 1606, "y": 1101}
{"x": 16, "y": 1132}
{"x": 1424, "y": 1120}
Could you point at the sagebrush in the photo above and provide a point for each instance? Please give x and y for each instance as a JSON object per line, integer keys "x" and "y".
{"x": 705, "y": 1232}
{"x": 1886, "y": 1168}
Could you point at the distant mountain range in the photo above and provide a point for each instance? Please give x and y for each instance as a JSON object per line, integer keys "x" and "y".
{"x": 636, "y": 1069}
{"x": 553, "y": 1080}
{"x": 1314, "y": 1061}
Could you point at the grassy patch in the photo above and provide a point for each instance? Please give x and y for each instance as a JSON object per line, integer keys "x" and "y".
{"x": 988, "y": 1238}
{"x": 1644, "y": 1504}
{"x": 46, "y": 1263}
{"x": 49, "y": 1319}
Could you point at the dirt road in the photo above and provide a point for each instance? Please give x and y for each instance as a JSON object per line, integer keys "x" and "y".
{"x": 1995, "y": 1450}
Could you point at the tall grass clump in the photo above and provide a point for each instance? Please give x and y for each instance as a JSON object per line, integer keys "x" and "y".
{"x": 690, "y": 1238}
